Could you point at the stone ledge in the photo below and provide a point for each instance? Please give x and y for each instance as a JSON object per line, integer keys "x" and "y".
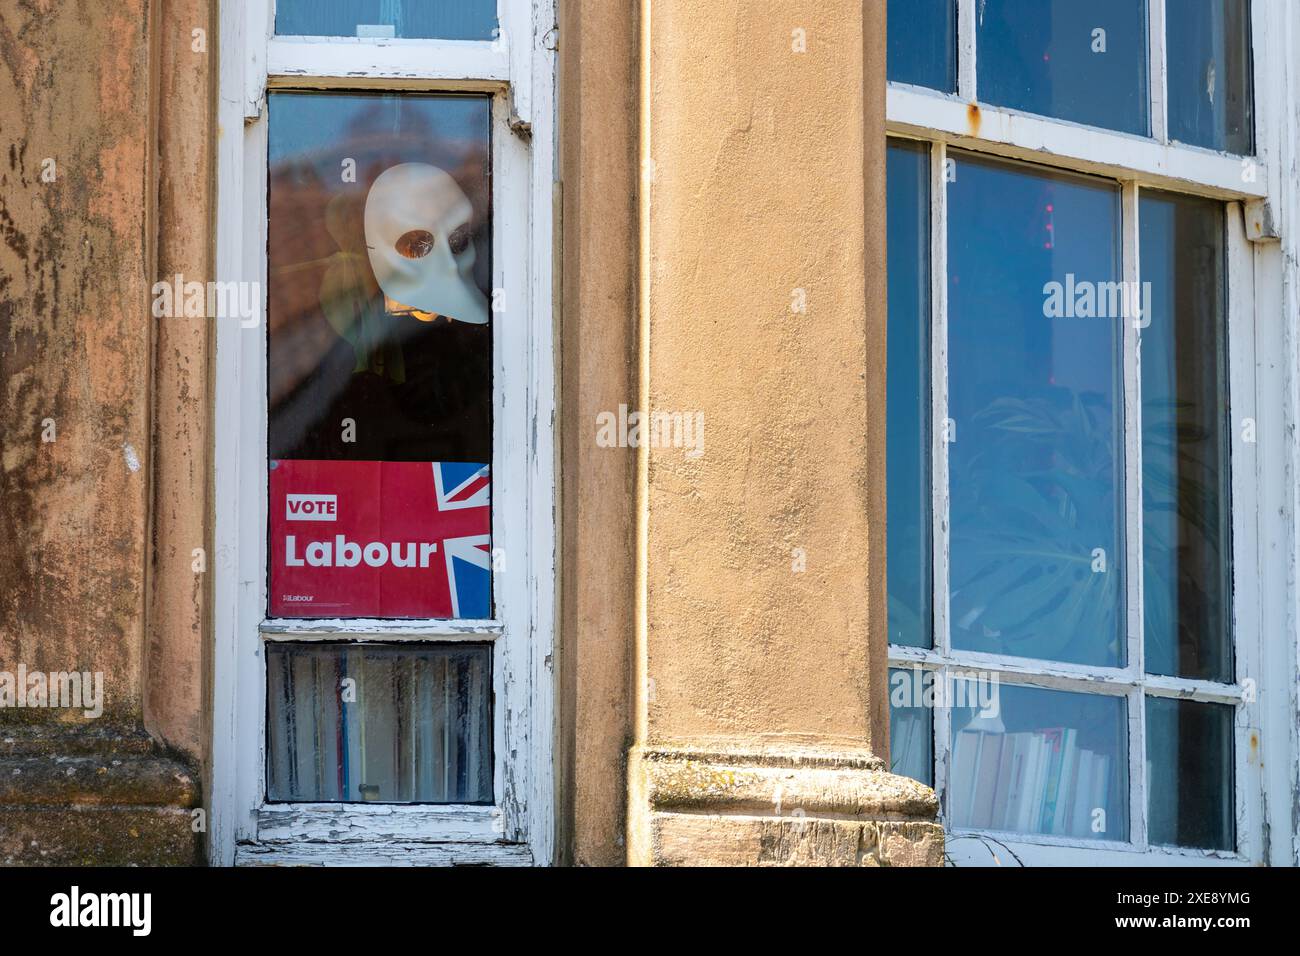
{"x": 732, "y": 805}
{"x": 98, "y": 836}
{"x": 73, "y": 739}
{"x": 852, "y": 784}
{"x": 707, "y": 840}
{"x": 113, "y": 780}
{"x": 75, "y": 795}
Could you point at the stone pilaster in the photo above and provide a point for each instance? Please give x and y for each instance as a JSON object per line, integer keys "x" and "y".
{"x": 761, "y": 713}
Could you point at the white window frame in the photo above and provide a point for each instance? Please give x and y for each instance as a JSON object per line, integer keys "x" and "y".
{"x": 517, "y": 70}
{"x": 1263, "y": 359}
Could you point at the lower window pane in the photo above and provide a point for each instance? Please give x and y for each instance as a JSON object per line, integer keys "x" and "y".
{"x": 1189, "y": 773}
{"x": 911, "y": 724}
{"x": 356, "y": 723}
{"x": 1027, "y": 760}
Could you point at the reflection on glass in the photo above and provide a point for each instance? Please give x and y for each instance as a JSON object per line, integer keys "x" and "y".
{"x": 1189, "y": 774}
{"x": 911, "y": 724}
{"x": 923, "y": 43}
{"x": 1211, "y": 98}
{"x": 350, "y": 724}
{"x": 1040, "y": 761}
{"x": 1035, "y": 456}
{"x": 1186, "y": 539}
{"x": 907, "y": 458}
{"x": 379, "y": 355}
{"x": 414, "y": 19}
{"x": 375, "y": 199}
{"x": 1080, "y": 61}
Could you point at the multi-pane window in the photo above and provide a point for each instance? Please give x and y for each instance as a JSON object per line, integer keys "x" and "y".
{"x": 1095, "y": 63}
{"x": 392, "y": 501}
{"x": 1065, "y": 663}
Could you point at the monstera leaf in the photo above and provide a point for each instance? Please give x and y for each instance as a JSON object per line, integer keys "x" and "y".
{"x": 1036, "y": 568}
{"x": 1042, "y": 491}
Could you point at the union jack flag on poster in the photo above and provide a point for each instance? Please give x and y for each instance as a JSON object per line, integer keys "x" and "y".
{"x": 380, "y": 539}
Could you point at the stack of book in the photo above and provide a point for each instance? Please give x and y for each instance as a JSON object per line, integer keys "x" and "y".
{"x": 1038, "y": 781}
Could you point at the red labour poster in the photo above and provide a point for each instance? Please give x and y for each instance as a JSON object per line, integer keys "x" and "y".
{"x": 380, "y": 539}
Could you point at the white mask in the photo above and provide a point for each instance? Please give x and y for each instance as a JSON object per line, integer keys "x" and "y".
{"x": 420, "y": 244}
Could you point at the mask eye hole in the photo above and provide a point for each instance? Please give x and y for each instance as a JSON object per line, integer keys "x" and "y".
{"x": 415, "y": 244}
{"x": 458, "y": 241}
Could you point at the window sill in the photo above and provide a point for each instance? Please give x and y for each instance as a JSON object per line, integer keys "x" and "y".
{"x": 978, "y": 849}
{"x": 377, "y": 834}
{"x": 308, "y": 853}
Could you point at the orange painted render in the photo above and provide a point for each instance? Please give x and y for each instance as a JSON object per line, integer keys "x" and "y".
{"x": 756, "y": 203}
{"x": 75, "y": 340}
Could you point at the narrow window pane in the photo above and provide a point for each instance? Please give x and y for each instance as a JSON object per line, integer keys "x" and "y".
{"x": 1189, "y": 774}
{"x": 1039, "y": 761}
{"x": 1035, "y": 407}
{"x": 415, "y": 19}
{"x": 1211, "y": 92}
{"x": 379, "y": 355}
{"x": 1186, "y": 539}
{"x": 911, "y": 723}
{"x": 379, "y": 724}
{"x": 923, "y": 43}
{"x": 907, "y": 457}
{"x": 1080, "y": 61}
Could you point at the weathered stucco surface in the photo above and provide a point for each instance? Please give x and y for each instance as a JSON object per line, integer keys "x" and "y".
{"x": 598, "y": 161}
{"x": 75, "y": 259}
{"x": 176, "y": 638}
{"x": 102, "y": 439}
{"x": 98, "y": 525}
{"x": 756, "y": 205}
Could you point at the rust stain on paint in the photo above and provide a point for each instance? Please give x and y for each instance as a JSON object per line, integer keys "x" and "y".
{"x": 973, "y": 119}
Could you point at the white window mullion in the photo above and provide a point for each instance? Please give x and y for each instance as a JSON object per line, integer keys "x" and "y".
{"x": 943, "y": 741}
{"x": 519, "y": 32}
{"x": 1132, "y": 371}
{"x": 542, "y": 464}
{"x": 1158, "y": 71}
{"x": 1248, "y": 598}
{"x": 255, "y": 23}
{"x": 939, "y": 427}
{"x": 1137, "y": 767}
{"x": 966, "y": 87}
{"x": 941, "y": 635}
